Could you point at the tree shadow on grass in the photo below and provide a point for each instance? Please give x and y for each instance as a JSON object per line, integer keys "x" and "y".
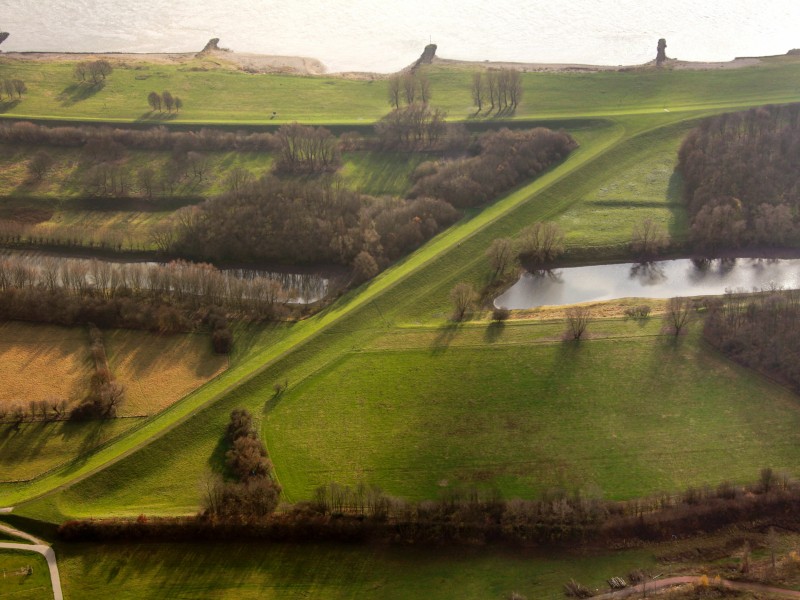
{"x": 445, "y": 337}
{"x": 494, "y": 331}
{"x": 156, "y": 117}
{"x": 7, "y": 105}
{"x": 78, "y": 92}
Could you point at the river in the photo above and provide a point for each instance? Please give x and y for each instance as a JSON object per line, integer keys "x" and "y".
{"x": 364, "y": 35}
{"x": 660, "y": 279}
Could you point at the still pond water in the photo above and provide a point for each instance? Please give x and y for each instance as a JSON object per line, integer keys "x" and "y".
{"x": 661, "y": 279}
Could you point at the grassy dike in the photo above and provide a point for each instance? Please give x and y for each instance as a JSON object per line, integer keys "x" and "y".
{"x": 224, "y": 96}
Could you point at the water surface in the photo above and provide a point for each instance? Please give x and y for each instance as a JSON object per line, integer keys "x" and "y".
{"x": 366, "y": 35}
{"x": 661, "y": 279}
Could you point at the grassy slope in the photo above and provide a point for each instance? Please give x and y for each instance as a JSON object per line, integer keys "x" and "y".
{"x": 326, "y": 572}
{"x": 225, "y": 96}
{"x": 159, "y": 477}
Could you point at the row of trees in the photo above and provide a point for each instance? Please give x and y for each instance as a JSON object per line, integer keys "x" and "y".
{"x": 105, "y": 393}
{"x": 414, "y": 127}
{"x": 93, "y": 71}
{"x": 166, "y": 100}
{"x": 10, "y": 87}
{"x": 251, "y": 494}
{"x": 360, "y": 514}
{"x": 502, "y": 160}
{"x": 152, "y": 138}
{"x": 742, "y": 178}
{"x": 497, "y": 88}
{"x": 409, "y": 87}
{"x": 304, "y": 149}
{"x": 195, "y": 286}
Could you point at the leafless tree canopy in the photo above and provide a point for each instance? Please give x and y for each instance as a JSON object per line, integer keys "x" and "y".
{"x": 741, "y": 176}
{"x": 677, "y": 315}
{"x": 577, "y": 321}
{"x": 462, "y": 296}
{"x": 541, "y": 243}
{"x": 500, "y": 254}
{"x": 649, "y": 239}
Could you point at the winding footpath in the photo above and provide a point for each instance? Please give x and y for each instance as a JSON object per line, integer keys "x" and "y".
{"x": 652, "y": 586}
{"x": 36, "y": 545}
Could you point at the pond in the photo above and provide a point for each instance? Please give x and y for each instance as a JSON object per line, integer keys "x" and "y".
{"x": 659, "y": 279}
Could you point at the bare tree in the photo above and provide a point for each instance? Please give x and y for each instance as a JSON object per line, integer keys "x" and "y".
{"x": 154, "y": 100}
{"x": 168, "y": 100}
{"x": 424, "y": 88}
{"x": 500, "y": 254}
{"x": 19, "y": 87}
{"x": 409, "y": 87}
{"x": 577, "y": 321}
{"x": 394, "y": 91}
{"x": 463, "y": 296}
{"x": 478, "y": 90}
{"x": 677, "y": 315}
{"x": 39, "y": 164}
{"x": 541, "y": 242}
{"x": 515, "y": 88}
{"x": 178, "y": 104}
{"x": 147, "y": 178}
{"x": 648, "y": 238}
{"x": 492, "y": 89}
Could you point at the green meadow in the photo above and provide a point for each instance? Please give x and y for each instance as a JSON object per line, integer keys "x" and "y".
{"x": 384, "y": 389}
{"x": 217, "y": 95}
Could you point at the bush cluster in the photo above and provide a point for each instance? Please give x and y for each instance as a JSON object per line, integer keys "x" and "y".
{"x": 252, "y": 494}
{"x": 502, "y": 160}
{"x": 304, "y": 222}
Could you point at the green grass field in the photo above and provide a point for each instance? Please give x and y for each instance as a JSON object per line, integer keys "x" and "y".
{"x": 359, "y": 354}
{"x": 226, "y": 96}
{"x": 279, "y": 571}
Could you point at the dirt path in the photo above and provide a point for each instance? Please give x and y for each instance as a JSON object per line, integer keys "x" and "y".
{"x": 673, "y": 581}
{"x": 39, "y": 546}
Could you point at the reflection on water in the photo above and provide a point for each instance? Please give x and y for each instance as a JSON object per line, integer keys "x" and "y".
{"x": 297, "y": 288}
{"x": 660, "y": 279}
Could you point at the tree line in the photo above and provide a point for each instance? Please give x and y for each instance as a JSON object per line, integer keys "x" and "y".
{"x": 410, "y": 87}
{"x": 499, "y": 88}
{"x": 741, "y": 176}
{"x": 468, "y": 516}
{"x": 179, "y": 283}
{"x": 151, "y": 138}
{"x": 166, "y": 100}
{"x": 93, "y": 71}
